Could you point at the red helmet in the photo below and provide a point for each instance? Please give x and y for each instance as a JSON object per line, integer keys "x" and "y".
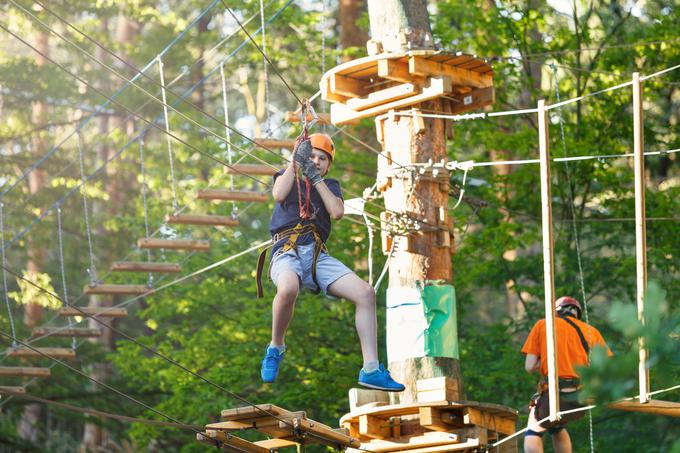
{"x": 566, "y": 301}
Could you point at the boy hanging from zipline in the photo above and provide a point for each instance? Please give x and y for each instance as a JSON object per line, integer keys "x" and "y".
{"x": 300, "y": 226}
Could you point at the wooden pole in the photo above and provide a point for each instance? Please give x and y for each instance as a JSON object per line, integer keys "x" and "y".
{"x": 640, "y": 229}
{"x": 548, "y": 264}
{"x": 418, "y": 256}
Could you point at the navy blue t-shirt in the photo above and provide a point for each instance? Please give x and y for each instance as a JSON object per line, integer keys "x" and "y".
{"x": 287, "y": 214}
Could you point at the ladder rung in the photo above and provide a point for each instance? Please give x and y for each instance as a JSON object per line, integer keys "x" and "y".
{"x": 231, "y": 195}
{"x": 59, "y": 353}
{"x": 275, "y": 143}
{"x": 118, "y": 289}
{"x": 173, "y": 244}
{"x": 5, "y": 389}
{"x": 67, "y": 332}
{"x": 101, "y": 312}
{"x": 251, "y": 169}
{"x": 141, "y": 266}
{"x": 202, "y": 219}
{"x": 24, "y": 371}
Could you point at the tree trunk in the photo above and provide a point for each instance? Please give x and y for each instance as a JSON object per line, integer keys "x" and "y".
{"x": 419, "y": 256}
{"x": 30, "y": 420}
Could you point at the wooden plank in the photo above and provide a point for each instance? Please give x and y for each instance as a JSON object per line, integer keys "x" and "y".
{"x": 233, "y": 441}
{"x": 85, "y": 332}
{"x": 382, "y": 96}
{"x": 396, "y": 70}
{"x": 423, "y": 67}
{"x": 341, "y": 114}
{"x": 21, "y": 371}
{"x": 202, "y": 219}
{"x": 12, "y": 389}
{"x": 117, "y": 289}
{"x": 473, "y": 100}
{"x": 173, "y": 244}
{"x": 58, "y": 353}
{"x": 411, "y": 442}
{"x": 438, "y": 395}
{"x": 454, "y": 446}
{"x": 274, "y": 444}
{"x": 327, "y": 94}
{"x": 142, "y": 266}
{"x": 251, "y": 169}
{"x": 436, "y": 383}
{"x": 438, "y": 420}
{"x": 249, "y": 412}
{"x": 100, "y": 312}
{"x": 374, "y": 427}
{"x": 656, "y": 407}
{"x": 232, "y": 195}
{"x": 347, "y": 86}
{"x": 362, "y": 397}
{"x": 474, "y": 416}
{"x": 327, "y": 434}
{"x": 275, "y": 143}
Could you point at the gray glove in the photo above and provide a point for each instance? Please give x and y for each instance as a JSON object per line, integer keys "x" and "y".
{"x": 303, "y": 153}
{"x": 310, "y": 171}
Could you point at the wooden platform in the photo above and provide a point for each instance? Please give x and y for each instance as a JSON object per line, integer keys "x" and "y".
{"x": 174, "y": 244}
{"x": 117, "y": 289}
{"x": 275, "y": 143}
{"x": 285, "y": 429}
{"x": 9, "y": 389}
{"x": 143, "y": 266}
{"x": 251, "y": 169}
{"x": 40, "y": 353}
{"x": 84, "y": 332}
{"x": 100, "y": 312}
{"x": 202, "y": 219}
{"x": 24, "y": 371}
{"x": 431, "y": 427}
{"x": 322, "y": 118}
{"x": 656, "y": 407}
{"x": 376, "y": 84}
{"x": 232, "y": 195}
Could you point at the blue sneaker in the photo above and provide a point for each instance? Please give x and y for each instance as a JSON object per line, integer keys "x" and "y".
{"x": 380, "y": 379}
{"x": 270, "y": 364}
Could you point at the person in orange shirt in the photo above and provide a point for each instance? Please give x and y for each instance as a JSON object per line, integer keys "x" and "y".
{"x": 574, "y": 340}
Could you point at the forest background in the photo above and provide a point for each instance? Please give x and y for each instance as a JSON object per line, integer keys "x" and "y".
{"x": 212, "y": 323}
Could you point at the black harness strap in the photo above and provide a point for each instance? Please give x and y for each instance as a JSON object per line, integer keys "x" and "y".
{"x": 584, "y": 343}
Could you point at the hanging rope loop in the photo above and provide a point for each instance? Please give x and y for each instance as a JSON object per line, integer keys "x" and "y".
{"x": 305, "y": 212}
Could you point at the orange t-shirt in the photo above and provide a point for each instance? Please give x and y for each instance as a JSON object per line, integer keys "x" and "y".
{"x": 570, "y": 352}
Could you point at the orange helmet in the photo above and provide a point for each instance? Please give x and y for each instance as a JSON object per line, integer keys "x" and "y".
{"x": 324, "y": 143}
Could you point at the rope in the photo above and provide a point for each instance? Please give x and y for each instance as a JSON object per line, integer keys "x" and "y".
{"x": 91, "y": 271}
{"x": 63, "y": 271}
{"x": 146, "y": 207}
{"x": 227, "y": 131}
{"x": 577, "y": 243}
{"x": 4, "y": 275}
{"x": 167, "y": 129}
{"x": 97, "y": 413}
{"x": 109, "y": 99}
{"x": 264, "y": 69}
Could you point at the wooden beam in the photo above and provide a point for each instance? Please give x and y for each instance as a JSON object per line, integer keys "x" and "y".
{"x": 473, "y": 100}
{"x": 16, "y": 371}
{"x": 251, "y": 169}
{"x": 117, "y": 289}
{"x": 202, "y": 219}
{"x": 396, "y": 70}
{"x": 231, "y": 195}
{"x": 67, "y": 332}
{"x": 12, "y": 389}
{"x": 477, "y": 417}
{"x": 275, "y": 444}
{"x": 428, "y": 68}
{"x": 251, "y": 412}
{"x": 656, "y": 407}
{"x": 548, "y": 257}
{"x": 406, "y": 443}
{"x": 640, "y": 231}
{"x": 327, "y": 94}
{"x": 382, "y": 96}
{"x": 275, "y": 143}
{"x": 374, "y": 427}
{"x": 232, "y": 441}
{"x": 439, "y": 86}
{"x": 59, "y": 353}
{"x": 362, "y": 397}
{"x": 101, "y": 312}
{"x": 347, "y": 86}
{"x": 437, "y": 420}
{"x": 142, "y": 266}
{"x": 173, "y": 244}
{"x": 327, "y": 434}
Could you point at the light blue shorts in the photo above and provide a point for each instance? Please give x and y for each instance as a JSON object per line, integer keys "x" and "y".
{"x": 328, "y": 269}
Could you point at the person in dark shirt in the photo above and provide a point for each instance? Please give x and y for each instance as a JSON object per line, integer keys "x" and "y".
{"x": 299, "y": 259}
